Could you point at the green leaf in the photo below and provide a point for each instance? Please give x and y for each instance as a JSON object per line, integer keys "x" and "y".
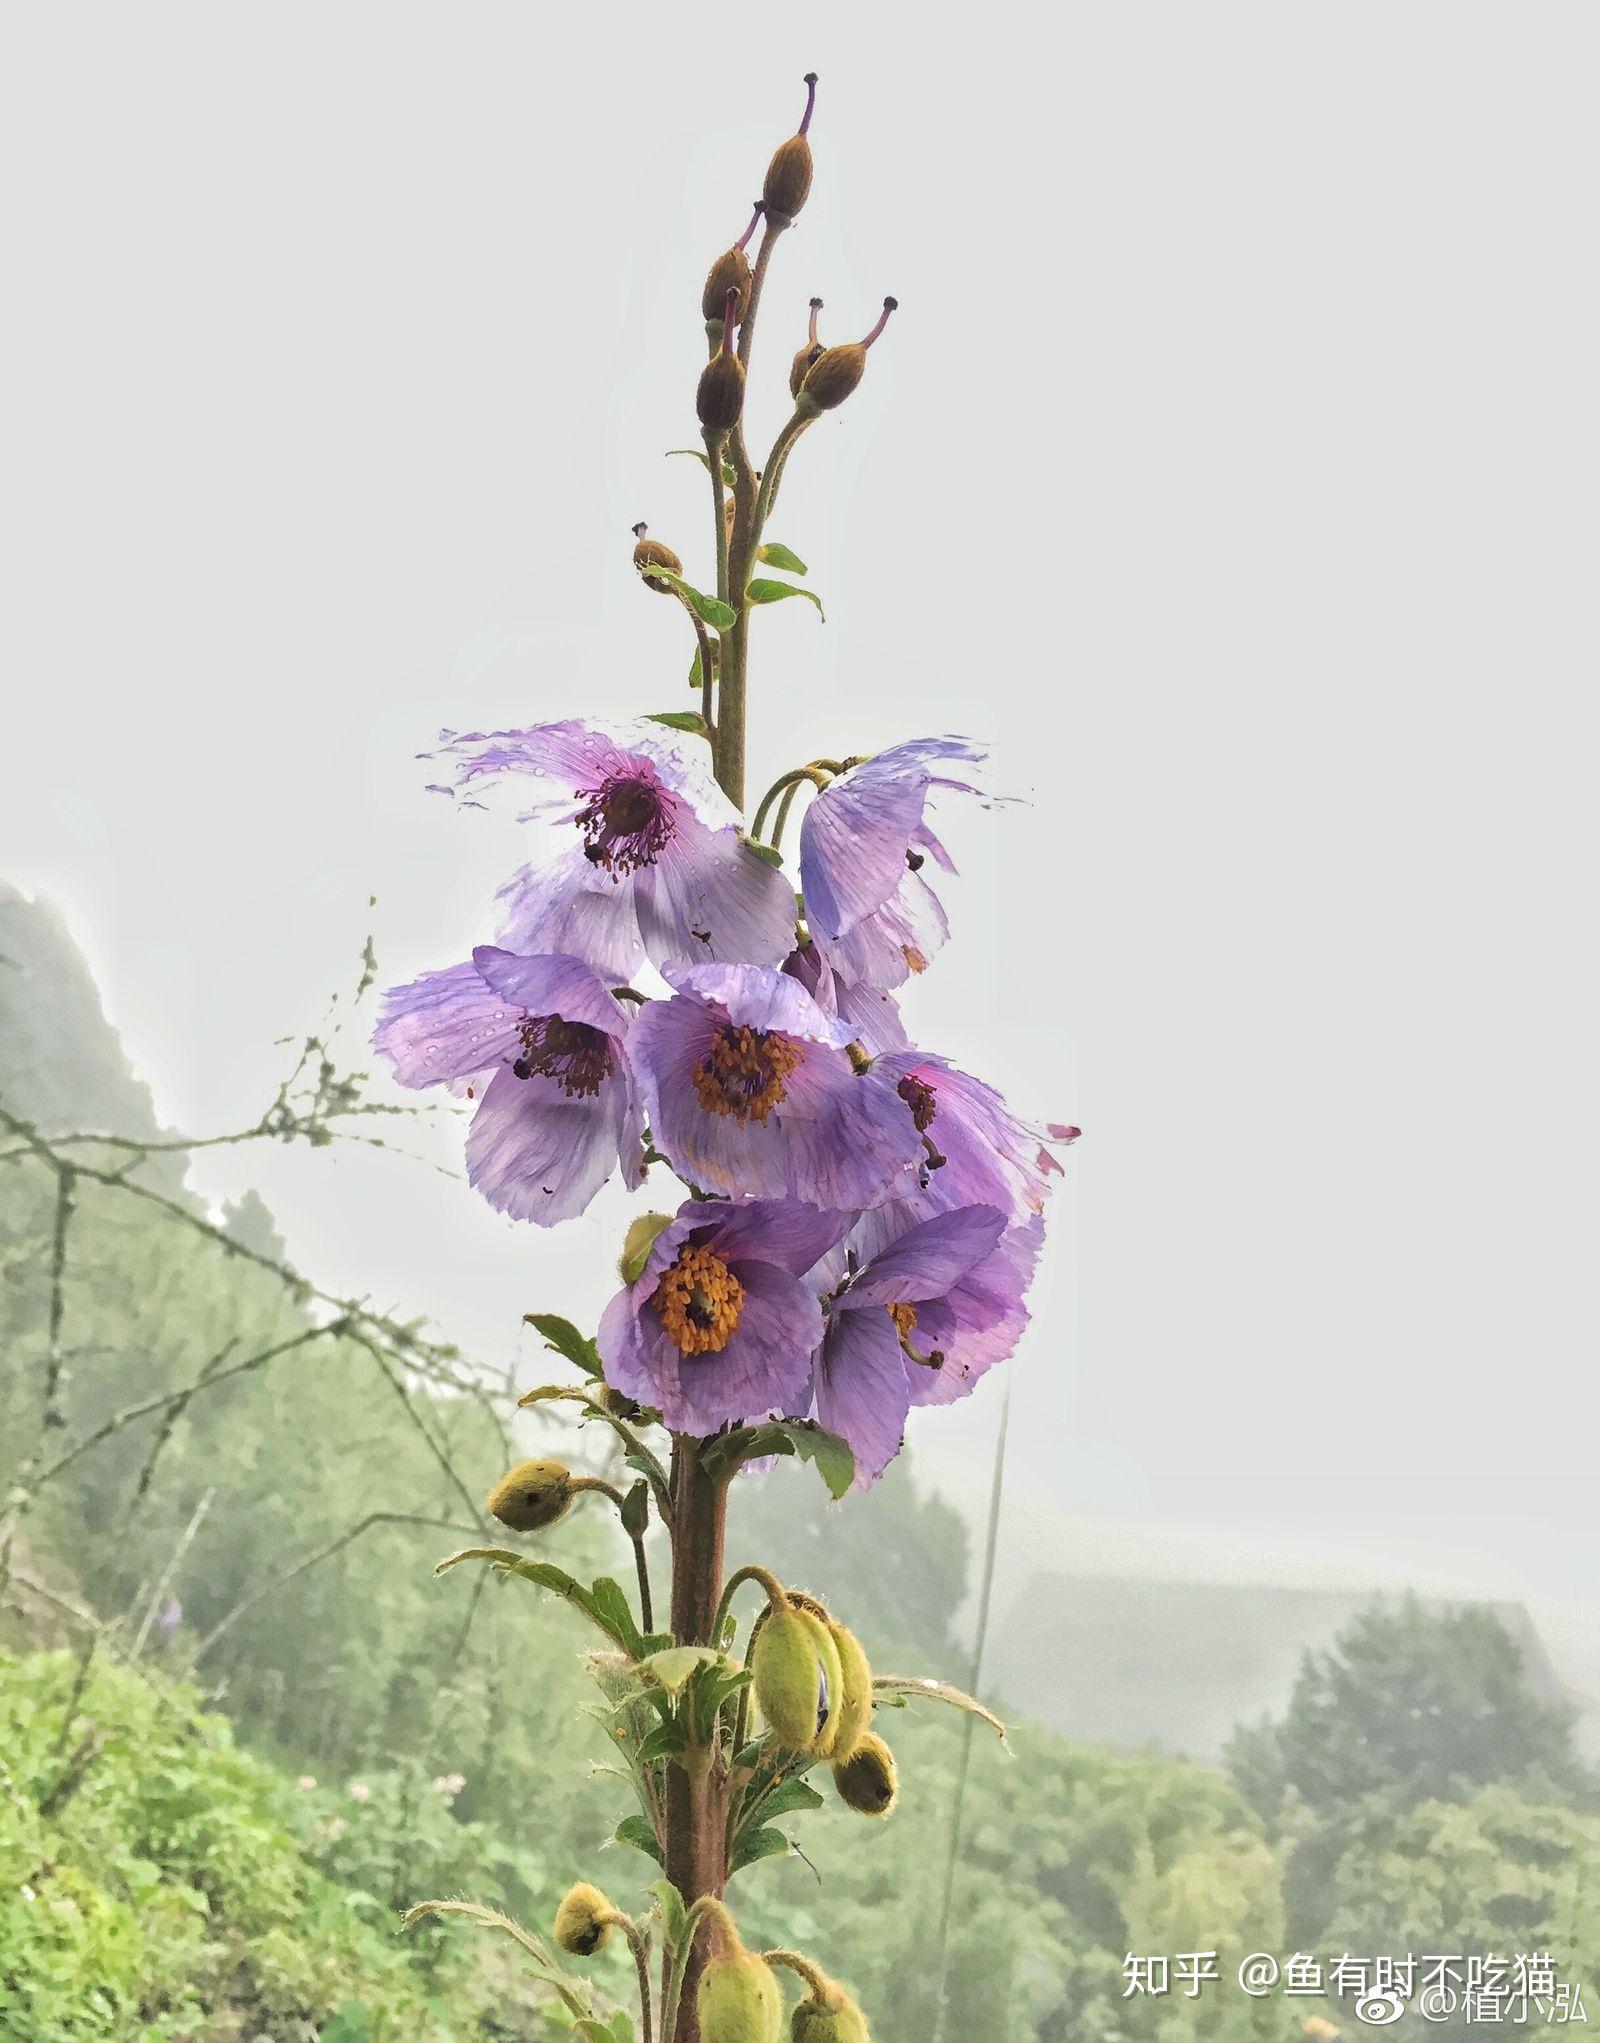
{"x": 760, "y": 1844}
{"x": 786, "y": 1797}
{"x": 706, "y": 608}
{"x": 763, "y": 591}
{"x": 663, "y": 1741}
{"x": 681, "y": 719}
{"x": 637, "y": 1243}
{"x": 350, "y": 2024}
{"x": 636, "y": 1831}
{"x": 674, "y": 1916}
{"x": 704, "y": 460}
{"x": 635, "y": 1512}
{"x": 609, "y": 1606}
{"x": 900, "y": 1689}
{"x": 780, "y": 557}
{"x": 561, "y": 1335}
{"x": 604, "y": 1604}
{"x": 674, "y": 1667}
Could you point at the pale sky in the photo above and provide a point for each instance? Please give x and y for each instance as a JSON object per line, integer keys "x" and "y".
{"x": 1229, "y": 467}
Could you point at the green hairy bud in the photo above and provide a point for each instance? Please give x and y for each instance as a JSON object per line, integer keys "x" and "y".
{"x": 535, "y": 1494}
{"x": 855, "y": 1692}
{"x": 830, "y": 1692}
{"x": 786, "y": 1665}
{"x": 738, "y": 1999}
{"x": 581, "y": 1925}
{"x": 867, "y": 1781}
{"x": 832, "y": 2017}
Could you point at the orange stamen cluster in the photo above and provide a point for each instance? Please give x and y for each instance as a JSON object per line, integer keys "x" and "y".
{"x": 905, "y": 1319}
{"x": 699, "y": 1301}
{"x": 744, "y": 1072}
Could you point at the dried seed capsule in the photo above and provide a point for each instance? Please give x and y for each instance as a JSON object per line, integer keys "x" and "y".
{"x": 730, "y": 272}
{"x": 867, "y": 1781}
{"x": 789, "y": 172}
{"x": 649, "y": 553}
{"x": 580, "y": 1927}
{"x": 830, "y": 2016}
{"x": 806, "y": 355}
{"x": 738, "y": 2000}
{"x": 535, "y": 1494}
{"x": 855, "y": 1701}
{"x": 837, "y": 371}
{"x": 720, "y": 397}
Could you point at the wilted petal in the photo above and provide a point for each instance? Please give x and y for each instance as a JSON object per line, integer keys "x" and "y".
{"x": 537, "y": 1153}
{"x": 861, "y": 1389}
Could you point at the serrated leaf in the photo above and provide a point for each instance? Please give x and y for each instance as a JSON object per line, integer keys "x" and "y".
{"x": 780, "y": 557}
{"x": 763, "y": 591}
{"x": 561, "y": 1335}
{"x": 759, "y": 1844}
{"x": 636, "y": 1831}
{"x": 900, "y": 1689}
{"x": 609, "y": 1605}
{"x": 706, "y": 608}
{"x": 681, "y": 719}
{"x": 674, "y": 1916}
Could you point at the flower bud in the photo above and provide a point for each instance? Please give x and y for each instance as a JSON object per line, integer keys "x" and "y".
{"x": 637, "y": 1243}
{"x": 720, "y": 398}
{"x": 830, "y": 2016}
{"x": 837, "y": 371}
{"x": 830, "y": 1690}
{"x": 649, "y": 553}
{"x": 579, "y": 1925}
{"x": 789, "y": 172}
{"x": 730, "y": 272}
{"x": 786, "y": 1667}
{"x": 867, "y": 1781}
{"x": 855, "y": 1692}
{"x": 805, "y": 356}
{"x": 535, "y": 1494}
{"x": 738, "y": 2000}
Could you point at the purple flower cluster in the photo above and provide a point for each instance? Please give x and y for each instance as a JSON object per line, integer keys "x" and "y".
{"x": 864, "y": 1218}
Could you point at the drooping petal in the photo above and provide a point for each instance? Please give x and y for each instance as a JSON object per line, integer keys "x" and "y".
{"x": 862, "y": 1392}
{"x": 572, "y": 908}
{"x": 991, "y": 1157}
{"x": 894, "y": 942}
{"x": 855, "y": 835}
{"x": 756, "y": 998}
{"x": 873, "y": 1015}
{"x": 781, "y": 1231}
{"x": 444, "y": 1026}
{"x": 538, "y": 1153}
{"x": 929, "y": 1259}
{"x": 553, "y": 985}
{"x": 982, "y": 1319}
{"x": 708, "y": 896}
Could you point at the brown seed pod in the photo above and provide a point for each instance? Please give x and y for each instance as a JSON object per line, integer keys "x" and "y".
{"x": 730, "y": 272}
{"x": 789, "y": 172}
{"x": 806, "y": 355}
{"x": 649, "y": 553}
{"x": 720, "y": 397}
{"x": 837, "y": 371}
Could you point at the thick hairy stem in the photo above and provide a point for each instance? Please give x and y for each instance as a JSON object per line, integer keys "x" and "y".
{"x": 695, "y": 1844}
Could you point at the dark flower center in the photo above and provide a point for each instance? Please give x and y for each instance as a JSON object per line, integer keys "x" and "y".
{"x": 699, "y": 1301}
{"x": 919, "y": 1096}
{"x": 626, "y": 823}
{"x": 577, "y": 1057}
{"x": 744, "y": 1072}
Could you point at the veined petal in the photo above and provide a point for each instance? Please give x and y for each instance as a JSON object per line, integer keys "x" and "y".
{"x": 444, "y": 1026}
{"x": 553, "y": 985}
{"x": 539, "y": 1154}
{"x": 896, "y": 941}
{"x": 928, "y": 1260}
{"x": 576, "y": 755}
{"x": 862, "y": 1392}
{"x": 710, "y": 897}
{"x": 755, "y": 997}
{"x": 571, "y": 908}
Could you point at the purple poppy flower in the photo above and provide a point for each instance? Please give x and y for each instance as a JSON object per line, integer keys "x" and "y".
{"x": 562, "y": 1108}
{"x": 975, "y": 1151}
{"x": 720, "y": 1326}
{"x": 659, "y": 869}
{"x": 753, "y": 1092}
{"x": 919, "y": 1324}
{"x": 863, "y": 843}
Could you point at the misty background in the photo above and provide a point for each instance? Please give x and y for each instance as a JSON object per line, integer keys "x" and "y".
{"x": 1228, "y": 468}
